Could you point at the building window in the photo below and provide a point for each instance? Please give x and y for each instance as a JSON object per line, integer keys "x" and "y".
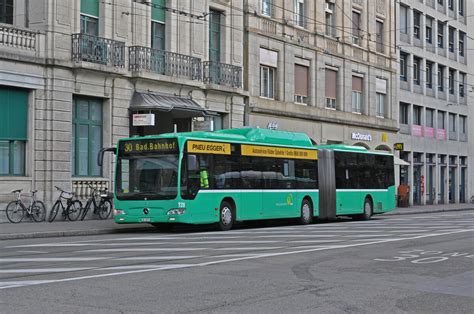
{"x": 416, "y": 24}
{"x": 403, "y": 19}
{"x": 416, "y": 115}
{"x": 440, "y": 34}
{"x": 267, "y": 82}
{"x": 267, "y": 7}
{"x": 330, "y": 19}
{"x": 451, "y": 81}
{"x": 404, "y": 108}
{"x": 301, "y": 84}
{"x": 300, "y": 13}
{"x": 429, "y": 74}
{"x": 463, "y": 124}
{"x": 440, "y": 78}
{"x": 380, "y": 96}
{"x": 403, "y": 66}
{"x": 379, "y": 38}
{"x": 90, "y": 17}
{"x": 429, "y": 118}
{"x": 452, "y": 122}
{"x": 86, "y": 136}
{"x": 461, "y": 7}
{"x": 331, "y": 88}
{"x": 6, "y": 11}
{"x": 355, "y": 27}
{"x": 416, "y": 70}
{"x": 157, "y": 35}
{"x": 357, "y": 94}
{"x": 451, "y": 4}
{"x": 462, "y": 81}
{"x": 215, "y": 40}
{"x": 451, "y": 39}
{"x": 380, "y": 99}
{"x": 13, "y": 131}
{"x": 429, "y": 30}
{"x": 441, "y": 2}
{"x": 441, "y": 120}
{"x": 462, "y": 36}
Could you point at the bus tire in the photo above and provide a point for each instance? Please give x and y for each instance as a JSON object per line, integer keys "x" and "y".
{"x": 367, "y": 209}
{"x": 226, "y": 216}
{"x": 306, "y": 216}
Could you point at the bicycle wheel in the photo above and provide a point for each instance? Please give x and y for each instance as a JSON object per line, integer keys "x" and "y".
{"x": 15, "y": 212}
{"x": 54, "y": 211}
{"x": 73, "y": 210}
{"x": 38, "y": 211}
{"x": 105, "y": 208}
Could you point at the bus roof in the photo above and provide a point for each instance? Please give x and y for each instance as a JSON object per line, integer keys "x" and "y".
{"x": 348, "y": 148}
{"x": 253, "y": 135}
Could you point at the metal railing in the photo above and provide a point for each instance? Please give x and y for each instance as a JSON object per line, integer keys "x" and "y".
{"x": 222, "y": 74}
{"x": 99, "y": 50}
{"x": 16, "y": 37}
{"x": 164, "y": 62}
{"x": 81, "y": 187}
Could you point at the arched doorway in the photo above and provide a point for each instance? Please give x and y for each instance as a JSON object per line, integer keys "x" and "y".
{"x": 384, "y": 148}
{"x": 362, "y": 145}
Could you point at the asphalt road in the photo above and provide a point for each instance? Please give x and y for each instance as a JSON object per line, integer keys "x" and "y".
{"x": 397, "y": 264}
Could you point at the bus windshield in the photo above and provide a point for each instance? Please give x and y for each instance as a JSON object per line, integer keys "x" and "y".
{"x": 147, "y": 168}
{"x": 150, "y": 177}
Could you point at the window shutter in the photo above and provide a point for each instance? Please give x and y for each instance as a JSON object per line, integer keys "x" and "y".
{"x": 357, "y": 84}
{"x": 13, "y": 114}
{"x": 301, "y": 80}
{"x": 331, "y": 83}
{"x": 158, "y": 12}
{"x": 90, "y": 7}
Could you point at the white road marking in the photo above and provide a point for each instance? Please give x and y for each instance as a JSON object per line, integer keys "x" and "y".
{"x": 125, "y": 250}
{"x": 157, "y": 258}
{"x": 51, "y": 259}
{"x": 147, "y": 266}
{"x": 41, "y": 270}
{"x": 228, "y": 242}
{"x": 315, "y": 241}
{"x": 246, "y": 248}
{"x": 33, "y": 252}
{"x": 263, "y": 255}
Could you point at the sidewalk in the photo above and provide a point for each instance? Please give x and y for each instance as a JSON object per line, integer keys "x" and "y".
{"x": 26, "y": 230}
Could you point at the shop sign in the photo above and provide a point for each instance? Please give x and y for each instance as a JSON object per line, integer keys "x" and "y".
{"x": 361, "y": 137}
{"x": 146, "y": 119}
{"x": 398, "y": 146}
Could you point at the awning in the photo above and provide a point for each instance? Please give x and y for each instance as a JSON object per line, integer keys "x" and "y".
{"x": 149, "y": 101}
{"x": 399, "y": 162}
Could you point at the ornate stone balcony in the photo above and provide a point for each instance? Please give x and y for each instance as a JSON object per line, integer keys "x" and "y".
{"x": 98, "y": 50}
{"x": 222, "y": 74}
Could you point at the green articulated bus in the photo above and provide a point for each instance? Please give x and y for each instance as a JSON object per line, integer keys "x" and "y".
{"x": 246, "y": 174}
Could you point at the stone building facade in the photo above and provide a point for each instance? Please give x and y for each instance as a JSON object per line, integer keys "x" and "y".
{"x": 435, "y": 99}
{"x": 75, "y": 75}
{"x": 327, "y": 68}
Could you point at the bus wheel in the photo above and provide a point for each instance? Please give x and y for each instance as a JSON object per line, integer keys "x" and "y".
{"x": 306, "y": 213}
{"x": 226, "y": 216}
{"x": 367, "y": 209}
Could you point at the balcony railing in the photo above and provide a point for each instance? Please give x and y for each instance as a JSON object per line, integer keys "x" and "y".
{"x": 222, "y": 74}
{"x": 98, "y": 50}
{"x": 17, "y": 38}
{"x": 164, "y": 62}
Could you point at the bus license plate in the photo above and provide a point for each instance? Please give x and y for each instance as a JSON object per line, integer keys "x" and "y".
{"x": 145, "y": 220}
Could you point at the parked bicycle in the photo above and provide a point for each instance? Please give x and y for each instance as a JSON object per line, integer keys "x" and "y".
{"x": 100, "y": 200}
{"x": 72, "y": 209}
{"x": 17, "y": 210}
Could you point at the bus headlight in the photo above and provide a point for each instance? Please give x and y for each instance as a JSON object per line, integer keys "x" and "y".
{"x": 119, "y": 212}
{"x": 176, "y": 211}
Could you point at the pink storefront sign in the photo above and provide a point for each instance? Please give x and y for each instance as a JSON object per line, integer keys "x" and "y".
{"x": 441, "y": 134}
{"x": 416, "y": 130}
{"x": 429, "y": 132}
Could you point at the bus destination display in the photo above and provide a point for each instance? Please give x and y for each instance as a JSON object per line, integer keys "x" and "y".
{"x": 149, "y": 146}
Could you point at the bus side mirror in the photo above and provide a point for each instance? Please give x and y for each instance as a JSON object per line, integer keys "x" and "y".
{"x": 192, "y": 163}
{"x": 100, "y": 156}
